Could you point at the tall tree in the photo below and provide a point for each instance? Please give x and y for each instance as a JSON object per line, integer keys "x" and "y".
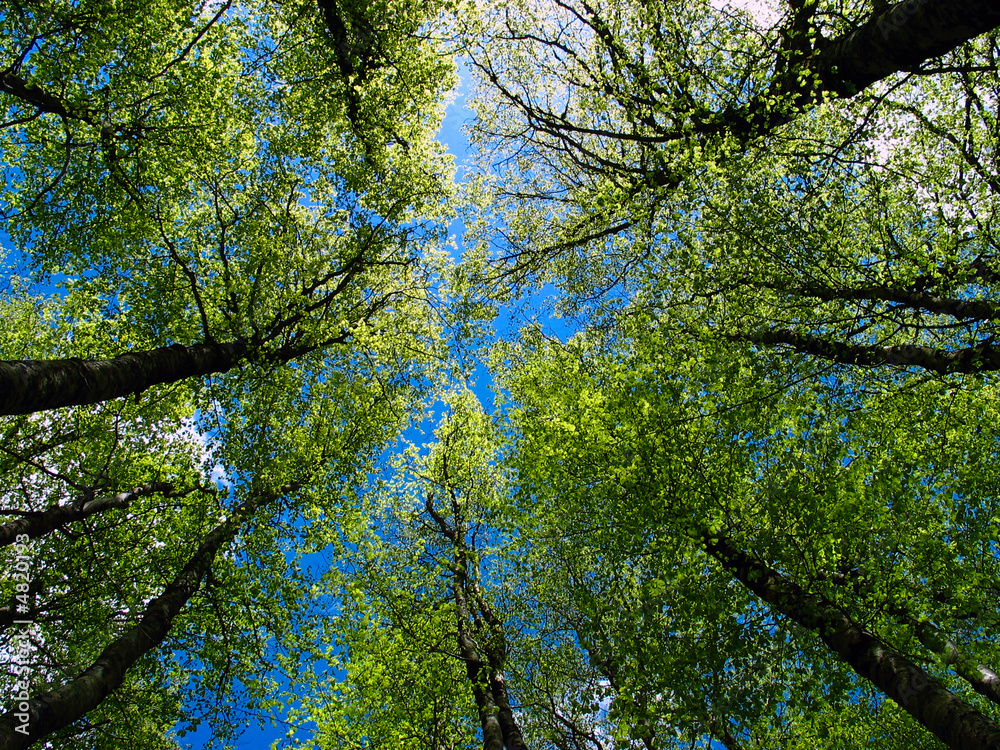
{"x": 422, "y": 575}
{"x": 705, "y": 541}
{"x": 823, "y": 180}
{"x": 96, "y": 576}
{"x": 41, "y": 715}
{"x": 624, "y": 449}
{"x": 213, "y": 196}
{"x": 219, "y": 158}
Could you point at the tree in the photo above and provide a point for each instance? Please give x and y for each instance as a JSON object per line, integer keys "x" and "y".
{"x": 672, "y": 534}
{"x": 219, "y": 158}
{"x": 422, "y": 601}
{"x": 702, "y": 204}
{"x": 213, "y": 566}
{"x": 39, "y": 716}
{"x": 642, "y": 459}
{"x": 215, "y": 196}
{"x": 825, "y": 184}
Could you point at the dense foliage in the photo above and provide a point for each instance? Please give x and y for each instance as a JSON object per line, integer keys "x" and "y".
{"x": 749, "y": 498}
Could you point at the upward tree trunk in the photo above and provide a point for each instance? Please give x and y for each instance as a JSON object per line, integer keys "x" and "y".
{"x": 899, "y": 38}
{"x": 41, "y": 522}
{"x": 484, "y": 664}
{"x": 34, "y": 718}
{"x": 951, "y": 719}
{"x": 476, "y": 670}
{"x": 27, "y": 386}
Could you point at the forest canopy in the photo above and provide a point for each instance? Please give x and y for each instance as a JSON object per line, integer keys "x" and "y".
{"x": 684, "y": 441}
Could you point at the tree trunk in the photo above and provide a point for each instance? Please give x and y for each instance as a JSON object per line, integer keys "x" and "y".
{"x": 496, "y": 658}
{"x": 484, "y": 665}
{"x": 39, "y": 523}
{"x": 513, "y": 739}
{"x": 34, "y": 718}
{"x": 951, "y": 719}
{"x": 476, "y": 670}
{"x": 28, "y": 386}
{"x": 982, "y": 358}
{"x": 899, "y": 38}
{"x": 719, "y": 731}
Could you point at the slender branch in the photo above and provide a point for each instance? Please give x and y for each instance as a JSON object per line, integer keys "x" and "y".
{"x": 982, "y": 358}
{"x": 981, "y": 678}
{"x": 38, "y": 523}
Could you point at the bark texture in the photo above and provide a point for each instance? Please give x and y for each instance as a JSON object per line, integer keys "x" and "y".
{"x": 475, "y": 668}
{"x": 952, "y": 720}
{"x": 28, "y": 386}
{"x": 982, "y": 358}
{"x": 42, "y": 522}
{"x": 899, "y": 38}
{"x": 481, "y": 640}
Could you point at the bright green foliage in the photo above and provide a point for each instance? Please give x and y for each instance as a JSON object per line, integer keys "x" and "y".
{"x": 199, "y": 164}
{"x": 390, "y": 675}
{"x": 784, "y": 259}
{"x": 201, "y": 173}
{"x": 90, "y": 582}
{"x": 639, "y": 166}
{"x": 780, "y": 244}
{"x": 86, "y": 582}
{"x": 850, "y": 490}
